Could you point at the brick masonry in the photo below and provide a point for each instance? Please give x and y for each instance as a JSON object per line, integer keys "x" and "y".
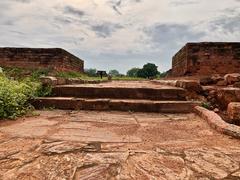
{"x": 207, "y": 58}
{"x": 53, "y": 58}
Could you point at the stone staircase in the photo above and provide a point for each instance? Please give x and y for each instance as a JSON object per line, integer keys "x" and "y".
{"x": 105, "y": 97}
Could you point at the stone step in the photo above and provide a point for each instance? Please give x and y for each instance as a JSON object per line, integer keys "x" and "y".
{"x": 168, "y": 93}
{"x": 70, "y": 103}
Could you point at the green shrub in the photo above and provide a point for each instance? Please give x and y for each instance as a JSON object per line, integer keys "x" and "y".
{"x": 15, "y": 96}
{"x": 36, "y": 74}
{"x": 206, "y": 105}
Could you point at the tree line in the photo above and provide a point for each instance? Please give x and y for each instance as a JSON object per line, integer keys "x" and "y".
{"x": 149, "y": 70}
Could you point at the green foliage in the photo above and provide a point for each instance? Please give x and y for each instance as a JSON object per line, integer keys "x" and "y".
{"x": 133, "y": 72}
{"x": 36, "y": 74}
{"x": 13, "y": 72}
{"x": 69, "y": 74}
{"x": 114, "y": 73}
{"x": 76, "y": 75}
{"x": 43, "y": 91}
{"x": 149, "y": 70}
{"x": 21, "y": 74}
{"x": 14, "y": 97}
{"x": 91, "y": 72}
{"x": 206, "y": 105}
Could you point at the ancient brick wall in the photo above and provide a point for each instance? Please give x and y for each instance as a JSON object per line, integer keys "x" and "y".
{"x": 206, "y": 59}
{"x": 54, "y": 58}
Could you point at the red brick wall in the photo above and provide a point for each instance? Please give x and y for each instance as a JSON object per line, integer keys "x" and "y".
{"x": 207, "y": 59}
{"x": 55, "y": 58}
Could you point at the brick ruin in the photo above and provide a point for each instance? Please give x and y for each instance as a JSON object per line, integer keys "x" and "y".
{"x": 207, "y": 58}
{"x": 35, "y": 58}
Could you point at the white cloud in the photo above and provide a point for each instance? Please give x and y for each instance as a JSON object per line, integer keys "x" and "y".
{"x": 118, "y": 34}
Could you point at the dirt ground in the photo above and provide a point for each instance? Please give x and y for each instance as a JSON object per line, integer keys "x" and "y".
{"x": 115, "y": 145}
{"x": 125, "y": 84}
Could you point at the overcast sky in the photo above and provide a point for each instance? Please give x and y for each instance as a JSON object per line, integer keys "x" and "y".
{"x": 118, "y": 34}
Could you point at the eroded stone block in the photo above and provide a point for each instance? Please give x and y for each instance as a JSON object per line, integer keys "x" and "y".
{"x": 234, "y": 111}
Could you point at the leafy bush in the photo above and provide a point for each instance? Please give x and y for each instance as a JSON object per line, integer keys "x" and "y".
{"x": 206, "y": 105}
{"x": 91, "y": 72}
{"x": 36, "y": 74}
{"x": 149, "y": 70}
{"x": 133, "y": 72}
{"x": 15, "y": 96}
{"x": 114, "y": 73}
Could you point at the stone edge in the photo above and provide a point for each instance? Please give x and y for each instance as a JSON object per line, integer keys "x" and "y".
{"x": 217, "y": 123}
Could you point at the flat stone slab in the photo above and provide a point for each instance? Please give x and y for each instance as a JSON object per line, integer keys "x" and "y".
{"x": 115, "y": 145}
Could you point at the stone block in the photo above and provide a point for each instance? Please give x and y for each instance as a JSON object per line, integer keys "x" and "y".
{"x": 75, "y": 81}
{"x": 216, "y": 78}
{"x": 232, "y": 78}
{"x": 234, "y": 111}
{"x": 227, "y": 95}
{"x": 61, "y": 81}
{"x": 222, "y": 83}
{"x": 206, "y": 81}
{"x": 190, "y": 85}
{"x": 49, "y": 80}
{"x": 236, "y": 85}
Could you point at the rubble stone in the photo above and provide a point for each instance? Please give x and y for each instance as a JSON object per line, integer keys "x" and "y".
{"x": 236, "y": 85}
{"x": 206, "y": 81}
{"x": 227, "y": 95}
{"x": 234, "y": 111}
{"x": 232, "y": 78}
{"x": 49, "y": 80}
{"x": 190, "y": 85}
{"x": 222, "y": 83}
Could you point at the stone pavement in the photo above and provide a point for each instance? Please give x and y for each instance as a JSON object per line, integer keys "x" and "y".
{"x": 115, "y": 145}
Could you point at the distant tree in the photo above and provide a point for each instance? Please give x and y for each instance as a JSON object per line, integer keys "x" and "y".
{"x": 114, "y": 73}
{"x": 91, "y": 72}
{"x": 133, "y": 72}
{"x": 149, "y": 70}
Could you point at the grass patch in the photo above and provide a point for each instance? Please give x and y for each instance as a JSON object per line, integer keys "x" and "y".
{"x": 78, "y": 76}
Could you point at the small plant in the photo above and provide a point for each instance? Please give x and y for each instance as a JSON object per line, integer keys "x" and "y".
{"x": 36, "y": 74}
{"x": 69, "y": 74}
{"x": 206, "y": 105}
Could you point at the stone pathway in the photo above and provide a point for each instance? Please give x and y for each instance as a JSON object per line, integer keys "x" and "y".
{"x": 115, "y": 145}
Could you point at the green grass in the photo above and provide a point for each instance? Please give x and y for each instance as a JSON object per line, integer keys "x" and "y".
{"x": 78, "y": 76}
{"x": 21, "y": 74}
{"x": 35, "y": 74}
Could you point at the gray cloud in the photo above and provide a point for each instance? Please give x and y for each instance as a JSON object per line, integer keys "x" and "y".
{"x": 23, "y": 1}
{"x": 73, "y": 11}
{"x": 170, "y": 34}
{"x": 105, "y": 30}
{"x": 116, "y": 5}
{"x": 183, "y": 3}
{"x": 228, "y": 24}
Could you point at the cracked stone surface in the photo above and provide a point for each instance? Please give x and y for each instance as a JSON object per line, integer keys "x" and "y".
{"x": 115, "y": 145}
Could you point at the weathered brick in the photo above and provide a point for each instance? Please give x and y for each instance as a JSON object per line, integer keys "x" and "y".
{"x": 234, "y": 111}
{"x": 207, "y": 59}
{"x": 34, "y": 58}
